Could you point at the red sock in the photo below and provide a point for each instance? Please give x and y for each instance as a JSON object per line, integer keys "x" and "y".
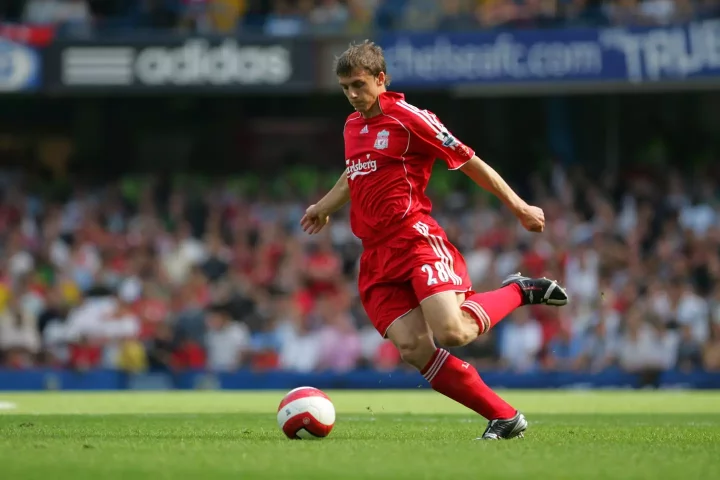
{"x": 488, "y": 308}
{"x": 460, "y": 381}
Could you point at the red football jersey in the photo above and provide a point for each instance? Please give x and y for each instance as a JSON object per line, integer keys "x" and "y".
{"x": 389, "y": 159}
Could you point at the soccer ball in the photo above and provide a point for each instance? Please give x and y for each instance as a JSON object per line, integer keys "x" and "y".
{"x": 306, "y": 413}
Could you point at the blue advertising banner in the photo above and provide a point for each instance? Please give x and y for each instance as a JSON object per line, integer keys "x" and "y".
{"x": 631, "y": 55}
{"x": 20, "y": 67}
{"x": 40, "y": 379}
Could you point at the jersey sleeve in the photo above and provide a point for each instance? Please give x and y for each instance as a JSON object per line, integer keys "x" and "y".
{"x": 432, "y": 138}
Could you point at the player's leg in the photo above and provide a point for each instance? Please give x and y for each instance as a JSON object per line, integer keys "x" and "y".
{"x": 460, "y": 380}
{"x": 413, "y": 338}
{"x": 394, "y": 311}
{"x": 488, "y": 308}
{"x": 457, "y": 316}
{"x": 459, "y": 319}
{"x": 438, "y": 271}
{"x": 453, "y": 377}
{"x": 457, "y": 324}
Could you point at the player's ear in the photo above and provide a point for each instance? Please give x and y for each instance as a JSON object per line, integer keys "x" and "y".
{"x": 380, "y": 79}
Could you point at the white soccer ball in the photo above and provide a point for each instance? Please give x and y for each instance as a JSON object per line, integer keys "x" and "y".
{"x": 306, "y": 413}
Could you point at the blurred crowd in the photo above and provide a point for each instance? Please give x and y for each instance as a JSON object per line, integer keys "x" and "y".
{"x": 162, "y": 275}
{"x": 296, "y": 17}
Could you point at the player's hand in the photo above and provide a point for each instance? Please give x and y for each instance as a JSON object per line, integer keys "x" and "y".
{"x": 532, "y": 218}
{"x": 314, "y": 220}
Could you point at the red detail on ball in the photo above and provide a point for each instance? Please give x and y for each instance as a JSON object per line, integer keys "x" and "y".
{"x": 307, "y": 422}
{"x": 302, "y": 392}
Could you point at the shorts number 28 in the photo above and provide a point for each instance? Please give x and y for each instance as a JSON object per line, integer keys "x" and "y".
{"x": 442, "y": 273}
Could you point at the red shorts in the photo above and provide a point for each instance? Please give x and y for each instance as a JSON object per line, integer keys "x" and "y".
{"x": 415, "y": 264}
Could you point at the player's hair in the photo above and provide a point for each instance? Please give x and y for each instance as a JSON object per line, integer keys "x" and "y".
{"x": 367, "y": 56}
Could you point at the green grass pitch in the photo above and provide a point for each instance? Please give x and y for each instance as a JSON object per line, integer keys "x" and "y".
{"x": 378, "y": 435}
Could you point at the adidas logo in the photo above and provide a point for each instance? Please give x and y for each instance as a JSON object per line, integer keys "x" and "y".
{"x": 364, "y": 130}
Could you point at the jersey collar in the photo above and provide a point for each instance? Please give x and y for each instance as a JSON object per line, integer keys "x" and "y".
{"x": 388, "y": 99}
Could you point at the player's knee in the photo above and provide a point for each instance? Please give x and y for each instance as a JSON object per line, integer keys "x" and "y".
{"x": 415, "y": 352}
{"x": 453, "y": 336}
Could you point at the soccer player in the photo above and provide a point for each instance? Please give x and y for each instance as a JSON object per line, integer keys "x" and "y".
{"x": 413, "y": 282}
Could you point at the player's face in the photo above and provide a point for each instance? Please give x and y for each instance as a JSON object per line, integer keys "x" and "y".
{"x": 362, "y": 89}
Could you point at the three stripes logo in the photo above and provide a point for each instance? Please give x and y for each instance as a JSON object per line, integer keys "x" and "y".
{"x": 97, "y": 66}
{"x": 195, "y": 62}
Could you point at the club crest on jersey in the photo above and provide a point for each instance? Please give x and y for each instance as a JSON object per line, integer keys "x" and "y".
{"x": 382, "y": 140}
{"x": 356, "y": 168}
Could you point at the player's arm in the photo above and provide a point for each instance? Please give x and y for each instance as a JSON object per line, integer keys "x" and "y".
{"x": 434, "y": 140}
{"x": 485, "y": 176}
{"x": 318, "y": 215}
{"x": 336, "y": 198}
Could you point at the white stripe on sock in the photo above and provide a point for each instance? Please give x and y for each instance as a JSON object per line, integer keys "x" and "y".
{"x": 437, "y": 365}
{"x": 479, "y": 312}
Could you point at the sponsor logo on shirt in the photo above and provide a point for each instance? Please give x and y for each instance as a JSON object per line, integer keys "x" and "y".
{"x": 356, "y": 168}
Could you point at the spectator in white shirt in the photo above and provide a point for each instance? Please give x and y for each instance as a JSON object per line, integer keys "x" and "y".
{"x": 583, "y": 266}
{"x": 121, "y": 326}
{"x": 647, "y": 347}
{"x": 522, "y": 339}
{"x": 84, "y": 321}
{"x": 636, "y": 345}
{"x": 184, "y": 253}
{"x": 19, "y": 338}
{"x": 19, "y": 261}
{"x": 681, "y": 305}
{"x": 300, "y": 351}
{"x": 107, "y": 319}
{"x": 227, "y": 341}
